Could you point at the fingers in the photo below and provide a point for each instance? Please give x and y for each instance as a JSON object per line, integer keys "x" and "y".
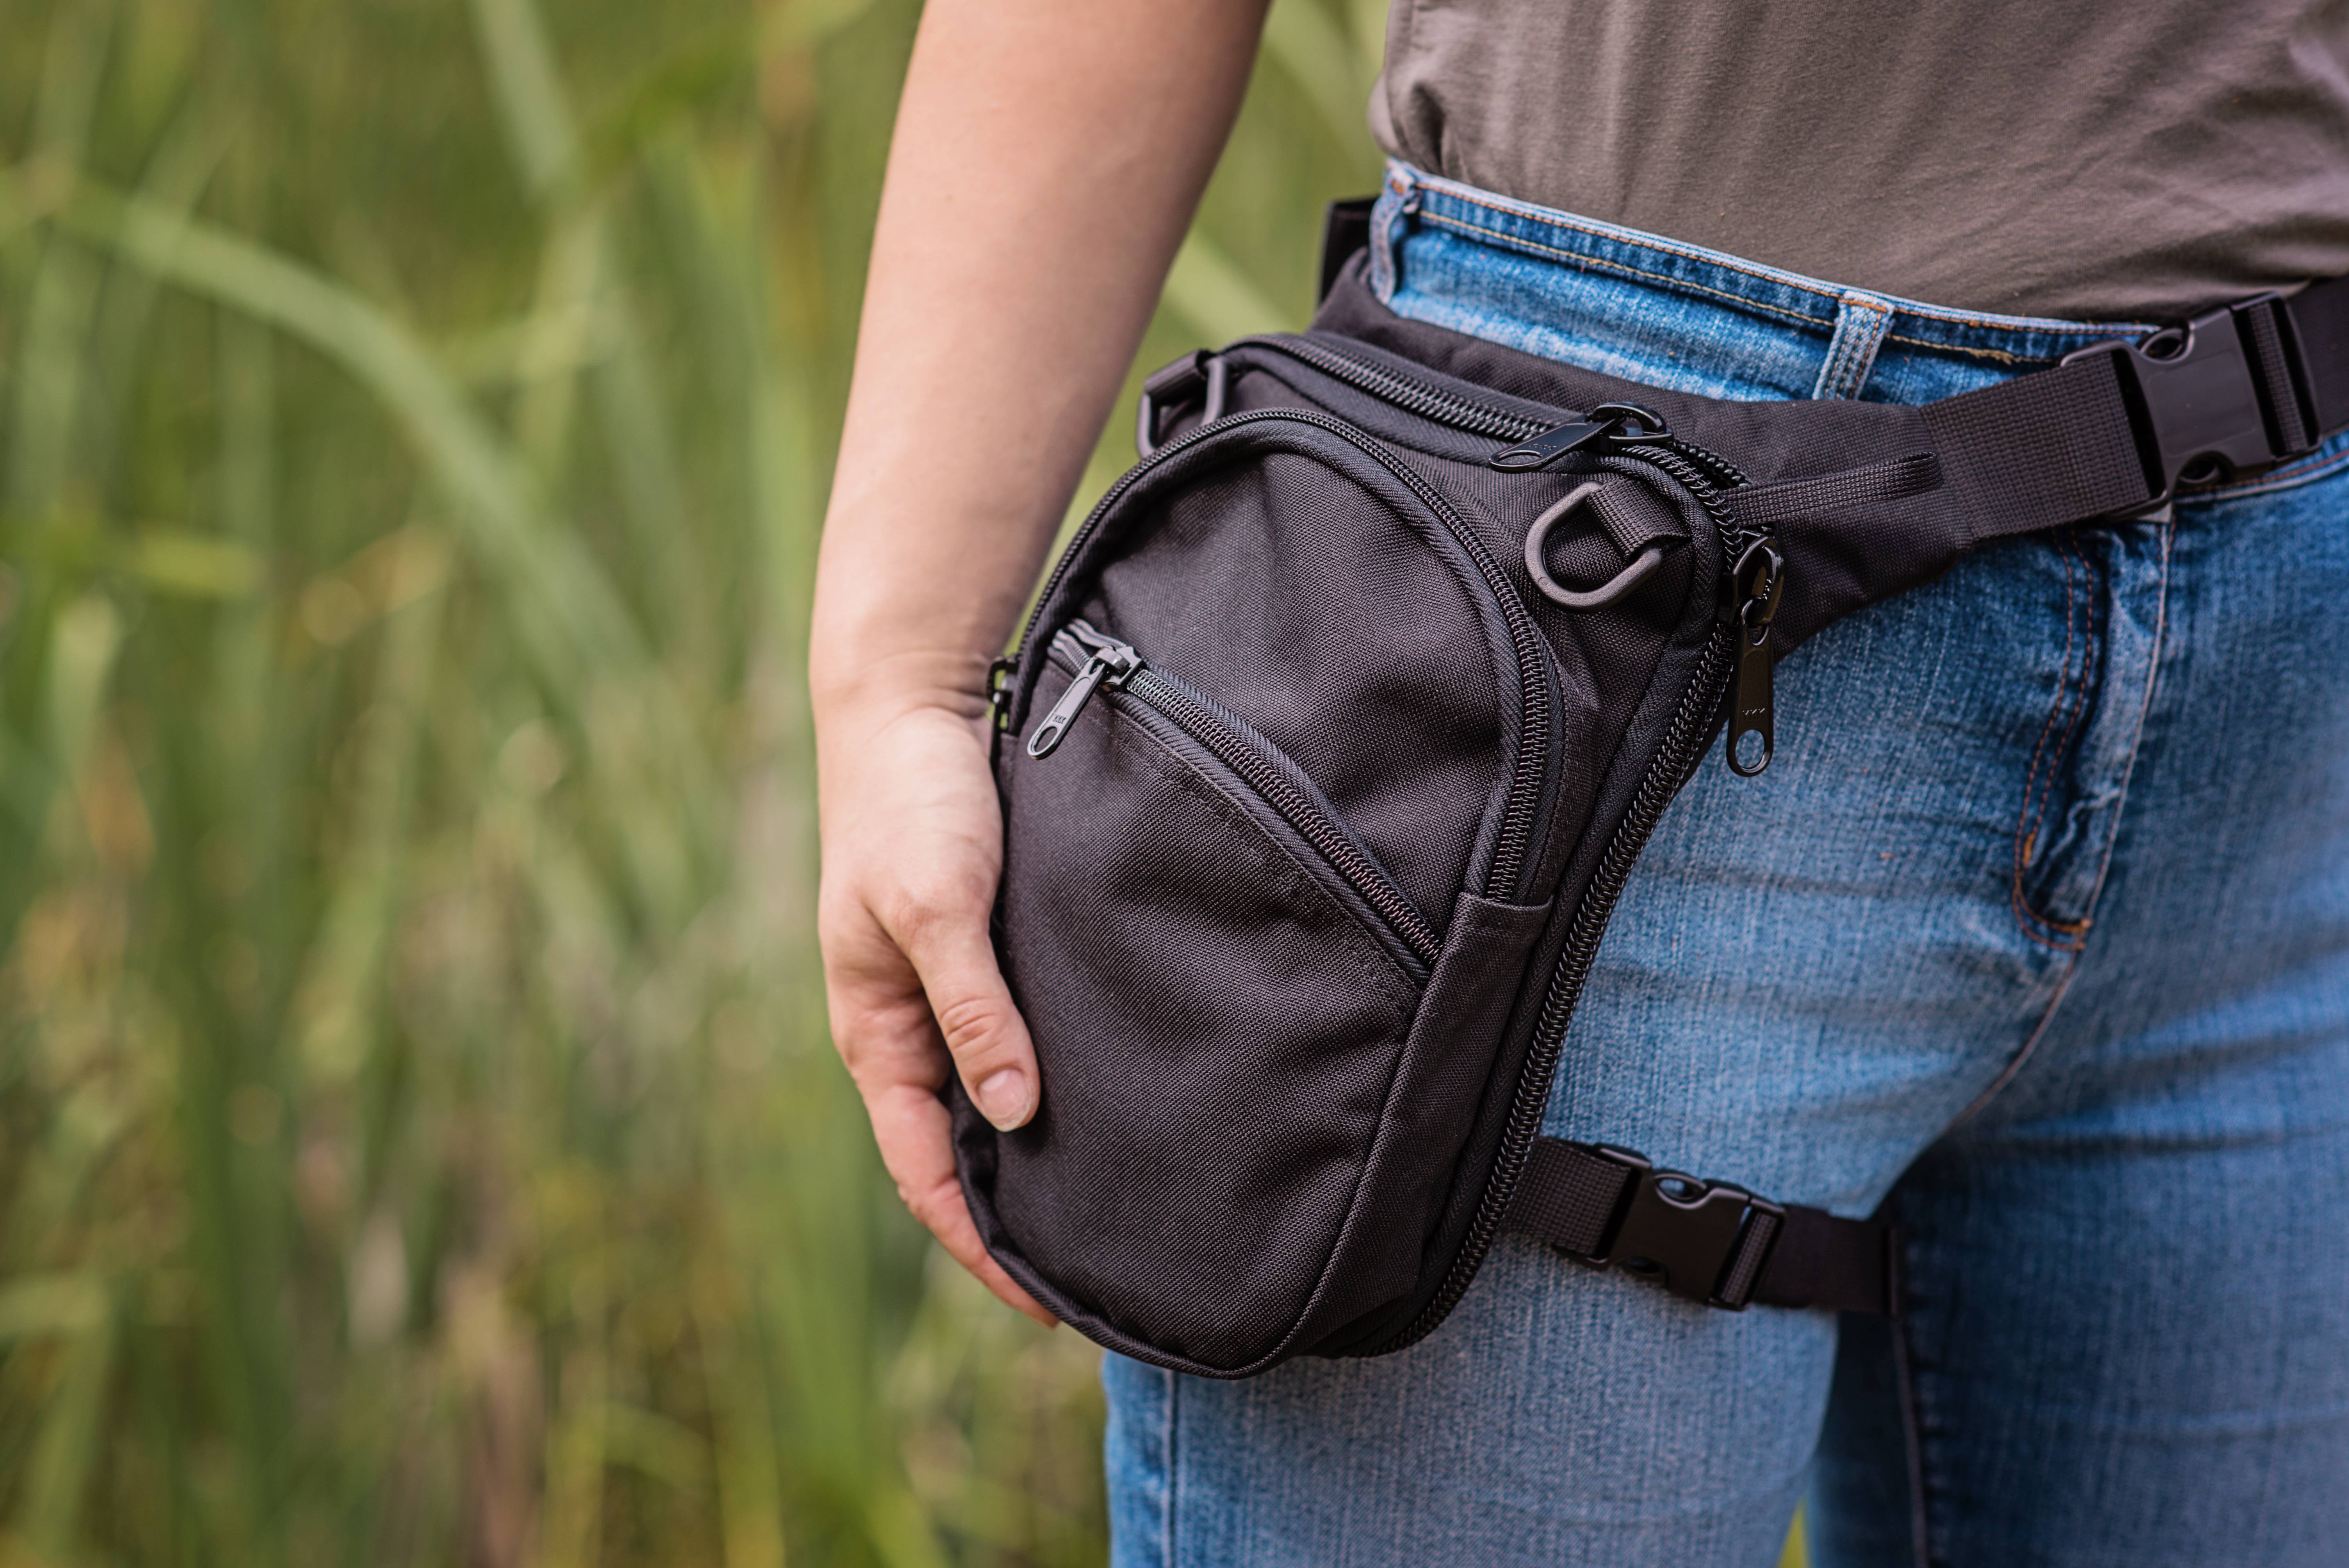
{"x": 982, "y": 1030}
{"x": 912, "y": 848}
{"x": 882, "y": 1024}
{"x": 912, "y": 1127}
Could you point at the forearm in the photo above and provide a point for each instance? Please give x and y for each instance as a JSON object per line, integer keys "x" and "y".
{"x": 1048, "y": 157}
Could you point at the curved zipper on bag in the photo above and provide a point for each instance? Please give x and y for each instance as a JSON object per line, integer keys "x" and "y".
{"x": 1705, "y": 474}
{"x": 1116, "y": 666}
{"x": 1530, "y": 773}
{"x": 1686, "y": 740}
{"x": 1426, "y": 400}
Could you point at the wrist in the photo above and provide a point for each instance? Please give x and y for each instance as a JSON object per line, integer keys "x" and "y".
{"x": 872, "y": 688}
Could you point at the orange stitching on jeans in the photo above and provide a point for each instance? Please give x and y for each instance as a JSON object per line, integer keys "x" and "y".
{"x": 1717, "y": 259}
{"x": 1582, "y": 261}
{"x": 1572, "y": 258}
{"x": 2015, "y": 1064}
{"x": 2023, "y": 824}
{"x": 1851, "y": 352}
{"x": 2075, "y": 929}
{"x": 2027, "y": 826}
{"x": 1767, "y": 275}
{"x": 2017, "y": 325}
{"x": 2080, "y": 710}
{"x": 1997, "y": 355}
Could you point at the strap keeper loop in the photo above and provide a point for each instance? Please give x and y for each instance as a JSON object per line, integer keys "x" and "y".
{"x": 1197, "y": 373}
{"x": 2279, "y": 364}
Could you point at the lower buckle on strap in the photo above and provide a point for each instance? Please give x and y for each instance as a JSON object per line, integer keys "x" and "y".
{"x": 2208, "y": 402}
{"x": 1685, "y": 1232}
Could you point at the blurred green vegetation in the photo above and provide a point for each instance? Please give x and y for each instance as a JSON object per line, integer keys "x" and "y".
{"x": 419, "y": 1142}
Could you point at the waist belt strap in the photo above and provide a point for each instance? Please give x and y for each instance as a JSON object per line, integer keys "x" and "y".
{"x": 2115, "y": 431}
{"x": 1709, "y": 1241}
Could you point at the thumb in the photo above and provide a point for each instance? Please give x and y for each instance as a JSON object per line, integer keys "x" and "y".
{"x": 982, "y": 1029}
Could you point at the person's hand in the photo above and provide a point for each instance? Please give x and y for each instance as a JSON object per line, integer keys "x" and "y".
{"x": 1046, "y": 161}
{"x": 913, "y": 845}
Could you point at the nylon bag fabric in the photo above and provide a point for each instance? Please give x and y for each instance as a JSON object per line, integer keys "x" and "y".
{"x": 1315, "y": 806}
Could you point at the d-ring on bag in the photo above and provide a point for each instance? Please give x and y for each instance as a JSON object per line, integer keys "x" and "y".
{"x": 1333, "y": 739}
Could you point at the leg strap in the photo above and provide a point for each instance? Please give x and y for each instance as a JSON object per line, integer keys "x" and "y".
{"x": 1709, "y": 1241}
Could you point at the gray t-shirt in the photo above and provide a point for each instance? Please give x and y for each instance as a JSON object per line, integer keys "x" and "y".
{"x": 2096, "y": 159}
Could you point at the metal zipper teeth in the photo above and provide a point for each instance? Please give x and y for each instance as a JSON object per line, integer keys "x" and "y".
{"x": 1685, "y": 740}
{"x": 1532, "y": 767}
{"x": 1362, "y": 873}
{"x": 1431, "y": 402}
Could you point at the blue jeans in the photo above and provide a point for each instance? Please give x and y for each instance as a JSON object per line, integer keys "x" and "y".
{"x": 2037, "y": 932}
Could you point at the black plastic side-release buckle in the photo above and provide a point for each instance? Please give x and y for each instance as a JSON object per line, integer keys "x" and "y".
{"x": 1711, "y": 1242}
{"x": 1686, "y": 1233}
{"x": 2224, "y": 396}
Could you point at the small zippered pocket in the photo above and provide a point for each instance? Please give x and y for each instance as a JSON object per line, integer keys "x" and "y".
{"x": 1182, "y": 719}
{"x": 1382, "y": 647}
{"x": 1218, "y": 1003}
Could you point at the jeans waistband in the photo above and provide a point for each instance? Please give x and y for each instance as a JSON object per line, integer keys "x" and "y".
{"x": 1671, "y": 313}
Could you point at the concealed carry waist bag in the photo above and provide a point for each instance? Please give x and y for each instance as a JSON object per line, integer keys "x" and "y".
{"x": 1334, "y": 737}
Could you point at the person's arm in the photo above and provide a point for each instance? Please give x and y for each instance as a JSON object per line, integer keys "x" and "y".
{"x": 1048, "y": 157}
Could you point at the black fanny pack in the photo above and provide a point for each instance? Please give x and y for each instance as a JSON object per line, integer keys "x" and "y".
{"x": 1334, "y": 737}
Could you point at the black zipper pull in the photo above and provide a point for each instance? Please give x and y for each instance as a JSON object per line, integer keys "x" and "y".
{"x": 1606, "y": 422}
{"x": 1111, "y": 664}
{"x": 1541, "y": 451}
{"x": 1756, "y": 584}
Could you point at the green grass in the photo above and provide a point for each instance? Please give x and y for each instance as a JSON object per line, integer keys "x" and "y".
{"x": 419, "y": 1142}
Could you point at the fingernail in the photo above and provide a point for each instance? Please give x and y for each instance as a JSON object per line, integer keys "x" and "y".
{"x": 1004, "y": 1097}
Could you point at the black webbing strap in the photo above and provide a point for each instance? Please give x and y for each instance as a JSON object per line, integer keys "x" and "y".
{"x": 2115, "y": 431}
{"x": 1709, "y": 1241}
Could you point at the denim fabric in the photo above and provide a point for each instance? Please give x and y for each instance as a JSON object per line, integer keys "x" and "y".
{"x": 2038, "y": 928}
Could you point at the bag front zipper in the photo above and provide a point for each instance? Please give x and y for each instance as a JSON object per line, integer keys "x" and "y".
{"x": 1100, "y": 662}
{"x": 1529, "y": 776}
{"x": 1705, "y": 474}
{"x": 1408, "y": 393}
{"x": 1685, "y": 740}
